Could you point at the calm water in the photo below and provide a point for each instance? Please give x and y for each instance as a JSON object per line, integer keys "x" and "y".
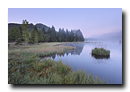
{"x": 109, "y": 68}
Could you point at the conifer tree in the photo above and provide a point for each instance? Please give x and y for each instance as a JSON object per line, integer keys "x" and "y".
{"x": 47, "y": 37}
{"x": 60, "y": 35}
{"x": 14, "y": 34}
{"x": 41, "y": 35}
{"x": 36, "y": 38}
{"x": 71, "y": 36}
{"x": 21, "y": 31}
{"x": 67, "y": 35}
{"x": 31, "y": 36}
{"x": 25, "y": 28}
{"x": 53, "y": 34}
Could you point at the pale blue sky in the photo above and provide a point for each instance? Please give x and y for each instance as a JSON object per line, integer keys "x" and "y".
{"x": 91, "y": 21}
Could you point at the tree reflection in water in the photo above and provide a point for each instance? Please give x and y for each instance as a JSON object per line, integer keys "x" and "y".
{"x": 100, "y": 57}
{"x": 77, "y": 51}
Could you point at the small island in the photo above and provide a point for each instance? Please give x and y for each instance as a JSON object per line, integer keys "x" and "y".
{"x": 100, "y": 52}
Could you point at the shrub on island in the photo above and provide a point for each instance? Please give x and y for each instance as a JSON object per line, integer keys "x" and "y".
{"x": 100, "y": 52}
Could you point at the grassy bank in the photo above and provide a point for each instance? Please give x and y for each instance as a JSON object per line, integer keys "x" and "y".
{"x": 24, "y": 67}
{"x": 41, "y": 50}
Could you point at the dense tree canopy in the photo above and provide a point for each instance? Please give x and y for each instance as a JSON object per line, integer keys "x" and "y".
{"x": 34, "y": 36}
{"x": 14, "y": 34}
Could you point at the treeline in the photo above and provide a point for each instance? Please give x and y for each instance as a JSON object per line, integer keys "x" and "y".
{"x": 24, "y": 34}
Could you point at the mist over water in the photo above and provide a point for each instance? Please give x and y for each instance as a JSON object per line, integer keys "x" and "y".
{"x": 108, "y": 37}
{"x": 109, "y": 68}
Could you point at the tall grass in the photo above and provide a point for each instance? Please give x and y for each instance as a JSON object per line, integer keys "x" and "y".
{"x": 42, "y": 50}
{"x": 24, "y": 67}
{"x": 31, "y": 71}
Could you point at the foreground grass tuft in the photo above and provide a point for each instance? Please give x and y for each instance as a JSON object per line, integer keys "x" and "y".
{"x": 46, "y": 72}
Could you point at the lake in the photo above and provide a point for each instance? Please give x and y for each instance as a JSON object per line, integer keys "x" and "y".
{"x": 109, "y": 68}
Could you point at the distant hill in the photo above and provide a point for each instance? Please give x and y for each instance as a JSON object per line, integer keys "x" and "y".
{"x": 31, "y": 26}
{"x": 12, "y": 25}
{"x": 40, "y": 26}
{"x": 115, "y": 36}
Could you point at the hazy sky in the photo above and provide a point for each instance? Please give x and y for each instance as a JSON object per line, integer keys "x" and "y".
{"x": 91, "y": 21}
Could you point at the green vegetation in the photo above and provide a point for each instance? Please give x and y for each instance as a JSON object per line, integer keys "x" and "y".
{"x": 100, "y": 52}
{"x": 25, "y": 67}
{"x": 31, "y": 36}
{"x": 18, "y": 41}
{"x": 13, "y": 34}
{"x": 31, "y": 71}
{"x": 25, "y": 29}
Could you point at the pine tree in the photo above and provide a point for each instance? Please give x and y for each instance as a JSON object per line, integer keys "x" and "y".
{"x": 57, "y": 33}
{"x": 25, "y": 28}
{"x": 31, "y": 36}
{"x": 47, "y": 37}
{"x": 71, "y": 36}
{"x": 53, "y": 34}
{"x": 35, "y": 28}
{"x": 14, "y": 34}
{"x": 11, "y": 35}
{"x": 60, "y": 35}
{"x": 41, "y": 35}
{"x": 36, "y": 38}
{"x": 63, "y": 35}
{"x": 17, "y": 33}
{"x": 21, "y": 31}
{"x": 67, "y": 35}
{"x": 75, "y": 37}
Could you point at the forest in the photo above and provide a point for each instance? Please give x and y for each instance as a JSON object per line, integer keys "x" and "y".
{"x": 30, "y": 36}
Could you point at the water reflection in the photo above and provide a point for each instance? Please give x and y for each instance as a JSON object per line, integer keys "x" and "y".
{"x": 100, "y": 57}
{"x": 53, "y": 56}
{"x": 81, "y": 58}
{"x": 77, "y": 51}
{"x": 99, "y": 61}
{"x": 72, "y": 52}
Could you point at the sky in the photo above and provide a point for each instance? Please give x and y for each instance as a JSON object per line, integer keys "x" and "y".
{"x": 91, "y": 21}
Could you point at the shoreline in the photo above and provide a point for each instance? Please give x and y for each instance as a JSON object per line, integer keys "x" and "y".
{"x": 43, "y": 72}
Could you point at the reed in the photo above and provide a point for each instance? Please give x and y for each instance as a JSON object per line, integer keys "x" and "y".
{"x": 24, "y": 67}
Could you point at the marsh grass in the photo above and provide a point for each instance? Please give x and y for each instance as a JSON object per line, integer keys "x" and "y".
{"x": 24, "y": 67}
{"x": 42, "y": 50}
